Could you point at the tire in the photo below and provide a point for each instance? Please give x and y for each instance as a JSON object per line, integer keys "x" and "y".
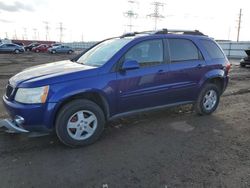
{"x": 53, "y": 51}
{"x": 37, "y": 51}
{"x": 242, "y": 65}
{"x": 17, "y": 51}
{"x": 27, "y": 49}
{"x": 206, "y": 105}
{"x": 67, "y": 130}
{"x": 70, "y": 52}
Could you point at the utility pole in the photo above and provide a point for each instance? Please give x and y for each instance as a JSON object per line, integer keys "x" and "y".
{"x": 24, "y": 33}
{"x": 61, "y": 29}
{"x": 130, "y": 14}
{"x": 239, "y": 25}
{"x": 156, "y": 14}
{"x": 6, "y": 35}
{"x": 47, "y": 30}
{"x": 15, "y": 35}
{"x": 35, "y": 34}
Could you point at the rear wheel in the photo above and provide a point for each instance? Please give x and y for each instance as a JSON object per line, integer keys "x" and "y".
{"x": 80, "y": 123}
{"x": 208, "y": 99}
{"x": 70, "y": 52}
{"x": 17, "y": 51}
{"x": 37, "y": 51}
{"x": 53, "y": 51}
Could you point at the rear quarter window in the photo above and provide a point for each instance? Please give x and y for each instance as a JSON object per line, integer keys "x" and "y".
{"x": 212, "y": 49}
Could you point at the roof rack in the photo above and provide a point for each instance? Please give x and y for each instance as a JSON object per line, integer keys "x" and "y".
{"x": 165, "y": 31}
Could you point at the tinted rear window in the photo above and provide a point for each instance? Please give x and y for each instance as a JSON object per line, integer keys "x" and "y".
{"x": 213, "y": 50}
{"x": 183, "y": 50}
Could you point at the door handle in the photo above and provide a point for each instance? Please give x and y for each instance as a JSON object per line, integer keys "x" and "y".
{"x": 199, "y": 66}
{"x": 161, "y": 71}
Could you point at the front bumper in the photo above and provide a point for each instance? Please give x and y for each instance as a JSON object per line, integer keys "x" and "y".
{"x": 36, "y": 117}
{"x": 13, "y": 126}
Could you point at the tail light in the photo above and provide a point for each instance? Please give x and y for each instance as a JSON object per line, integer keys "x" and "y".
{"x": 227, "y": 67}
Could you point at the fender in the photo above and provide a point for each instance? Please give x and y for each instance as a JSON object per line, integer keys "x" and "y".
{"x": 68, "y": 96}
{"x": 216, "y": 73}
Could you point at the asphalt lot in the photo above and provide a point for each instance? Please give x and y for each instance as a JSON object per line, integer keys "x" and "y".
{"x": 167, "y": 148}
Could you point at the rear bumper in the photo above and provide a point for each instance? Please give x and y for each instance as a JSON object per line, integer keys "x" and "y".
{"x": 225, "y": 84}
{"x": 36, "y": 117}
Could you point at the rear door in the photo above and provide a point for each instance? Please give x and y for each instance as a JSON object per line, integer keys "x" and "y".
{"x": 146, "y": 86}
{"x": 186, "y": 69}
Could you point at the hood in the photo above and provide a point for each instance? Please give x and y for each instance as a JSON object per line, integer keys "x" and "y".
{"x": 247, "y": 52}
{"x": 49, "y": 70}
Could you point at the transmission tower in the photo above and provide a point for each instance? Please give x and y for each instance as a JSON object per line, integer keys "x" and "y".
{"x": 47, "y": 30}
{"x": 156, "y": 14}
{"x": 61, "y": 29}
{"x": 239, "y": 25}
{"x": 130, "y": 14}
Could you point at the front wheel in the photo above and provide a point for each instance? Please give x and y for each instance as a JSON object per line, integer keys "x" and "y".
{"x": 208, "y": 100}
{"x": 80, "y": 123}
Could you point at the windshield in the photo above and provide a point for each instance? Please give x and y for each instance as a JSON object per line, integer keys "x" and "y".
{"x": 100, "y": 54}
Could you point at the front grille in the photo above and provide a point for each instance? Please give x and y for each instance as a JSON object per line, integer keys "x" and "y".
{"x": 9, "y": 91}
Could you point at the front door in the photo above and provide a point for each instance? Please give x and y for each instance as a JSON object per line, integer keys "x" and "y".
{"x": 143, "y": 87}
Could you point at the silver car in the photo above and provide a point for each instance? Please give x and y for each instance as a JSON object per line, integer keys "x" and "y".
{"x": 11, "y": 48}
{"x": 61, "y": 49}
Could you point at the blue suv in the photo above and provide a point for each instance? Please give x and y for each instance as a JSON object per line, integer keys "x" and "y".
{"x": 117, "y": 77}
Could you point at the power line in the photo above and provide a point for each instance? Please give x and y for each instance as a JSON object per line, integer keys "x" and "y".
{"x": 239, "y": 25}
{"x": 130, "y": 14}
{"x": 156, "y": 14}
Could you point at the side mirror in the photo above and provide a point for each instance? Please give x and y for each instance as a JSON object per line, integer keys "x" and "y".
{"x": 130, "y": 65}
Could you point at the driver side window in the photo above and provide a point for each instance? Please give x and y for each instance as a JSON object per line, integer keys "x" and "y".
{"x": 147, "y": 54}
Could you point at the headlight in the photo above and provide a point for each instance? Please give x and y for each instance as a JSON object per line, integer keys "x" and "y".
{"x": 32, "y": 95}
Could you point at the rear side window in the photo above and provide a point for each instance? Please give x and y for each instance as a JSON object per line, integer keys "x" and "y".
{"x": 213, "y": 50}
{"x": 183, "y": 50}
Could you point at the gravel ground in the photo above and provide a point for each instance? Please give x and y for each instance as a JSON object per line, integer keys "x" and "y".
{"x": 167, "y": 148}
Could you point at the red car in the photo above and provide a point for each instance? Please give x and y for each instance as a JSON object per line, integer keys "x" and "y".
{"x": 41, "y": 48}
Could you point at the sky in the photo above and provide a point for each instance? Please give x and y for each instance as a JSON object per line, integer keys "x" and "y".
{"x": 93, "y": 20}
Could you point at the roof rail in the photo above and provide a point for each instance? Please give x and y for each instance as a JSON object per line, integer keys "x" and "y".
{"x": 186, "y": 32}
{"x": 136, "y": 33}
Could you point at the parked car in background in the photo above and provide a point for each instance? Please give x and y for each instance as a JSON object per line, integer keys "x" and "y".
{"x": 19, "y": 43}
{"x": 61, "y": 49}
{"x": 41, "y": 48}
{"x": 30, "y": 46}
{"x": 11, "y": 48}
{"x": 56, "y": 44}
{"x": 117, "y": 77}
{"x": 246, "y": 60}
